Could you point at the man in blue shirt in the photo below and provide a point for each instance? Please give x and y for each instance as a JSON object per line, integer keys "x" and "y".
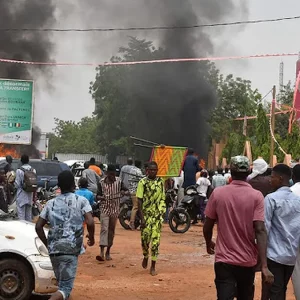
{"x": 190, "y": 169}
{"x": 282, "y": 220}
{"x": 84, "y": 192}
{"x": 65, "y": 237}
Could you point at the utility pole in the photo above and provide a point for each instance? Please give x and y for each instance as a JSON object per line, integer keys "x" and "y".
{"x": 272, "y": 126}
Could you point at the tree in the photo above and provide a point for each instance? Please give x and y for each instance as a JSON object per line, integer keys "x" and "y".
{"x": 74, "y": 137}
{"x": 261, "y": 139}
{"x": 236, "y": 99}
{"x": 157, "y": 102}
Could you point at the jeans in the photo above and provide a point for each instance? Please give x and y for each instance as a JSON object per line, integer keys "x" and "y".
{"x": 232, "y": 279}
{"x": 282, "y": 275}
{"x": 65, "y": 267}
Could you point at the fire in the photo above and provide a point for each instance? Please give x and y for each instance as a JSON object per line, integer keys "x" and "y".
{"x": 202, "y": 163}
{"x": 11, "y": 150}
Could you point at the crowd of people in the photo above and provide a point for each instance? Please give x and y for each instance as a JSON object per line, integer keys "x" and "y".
{"x": 256, "y": 209}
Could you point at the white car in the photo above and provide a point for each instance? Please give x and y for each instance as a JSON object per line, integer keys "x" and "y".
{"x": 25, "y": 266}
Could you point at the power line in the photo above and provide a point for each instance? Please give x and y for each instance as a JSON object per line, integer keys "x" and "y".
{"x": 144, "y": 62}
{"x": 150, "y": 28}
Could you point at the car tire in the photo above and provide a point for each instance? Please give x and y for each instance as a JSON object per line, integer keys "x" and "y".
{"x": 16, "y": 280}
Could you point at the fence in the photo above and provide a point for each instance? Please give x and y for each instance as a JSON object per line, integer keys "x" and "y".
{"x": 121, "y": 160}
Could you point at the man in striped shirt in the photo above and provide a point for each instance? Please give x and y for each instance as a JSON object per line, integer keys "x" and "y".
{"x": 110, "y": 191}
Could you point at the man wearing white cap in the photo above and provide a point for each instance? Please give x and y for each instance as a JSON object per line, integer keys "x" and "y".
{"x": 258, "y": 178}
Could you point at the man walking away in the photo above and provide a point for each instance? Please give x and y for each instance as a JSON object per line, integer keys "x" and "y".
{"x": 296, "y": 275}
{"x": 152, "y": 207}
{"x": 65, "y": 214}
{"x": 92, "y": 177}
{"x": 125, "y": 172}
{"x": 282, "y": 210}
{"x": 239, "y": 210}
{"x": 203, "y": 189}
{"x": 26, "y": 185}
{"x": 92, "y": 166}
{"x": 84, "y": 192}
{"x": 258, "y": 179}
{"x": 134, "y": 177}
{"x": 190, "y": 169}
{"x": 110, "y": 190}
{"x": 218, "y": 179}
{"x": 227, "y": 175}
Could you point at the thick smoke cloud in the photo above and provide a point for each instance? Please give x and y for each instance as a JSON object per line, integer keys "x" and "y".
{"x": 173, "y": 102}
{"x": 32, "y": 46}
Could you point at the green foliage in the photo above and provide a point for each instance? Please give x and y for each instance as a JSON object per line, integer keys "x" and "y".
{"x": 234, "y": 146}
{"x": 236, "y": 99}
{"x": 282, "y": 120}
{"x": 74, "y": 137}
{"x": 126, "y": 106}
{"x": 261, "y": 140}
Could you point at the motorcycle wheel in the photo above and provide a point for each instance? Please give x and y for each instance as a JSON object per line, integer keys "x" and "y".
{"x": 124, "y": 218}
{"x": 179, "y": 217}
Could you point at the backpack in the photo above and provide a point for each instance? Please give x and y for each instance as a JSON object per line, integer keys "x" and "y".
{"x": 30, "y": 180}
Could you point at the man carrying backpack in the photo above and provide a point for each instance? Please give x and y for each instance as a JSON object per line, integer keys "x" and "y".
{"x": 26, "y": 184}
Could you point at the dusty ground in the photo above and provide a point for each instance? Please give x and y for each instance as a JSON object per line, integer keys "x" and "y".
{"x": 185, "y": 271}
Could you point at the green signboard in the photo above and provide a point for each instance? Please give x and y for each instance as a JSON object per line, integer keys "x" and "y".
{"x": 16, "y": 111}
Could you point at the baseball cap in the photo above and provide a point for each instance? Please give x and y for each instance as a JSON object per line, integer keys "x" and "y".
{"x": 240, "y": 164}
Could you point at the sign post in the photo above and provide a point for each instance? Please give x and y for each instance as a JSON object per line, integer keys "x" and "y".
{"x": 16, "y": 111}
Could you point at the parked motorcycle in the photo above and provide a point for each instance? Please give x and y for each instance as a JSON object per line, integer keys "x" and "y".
{"x": 180, "y": 216}
{"x": 125, "y": 213}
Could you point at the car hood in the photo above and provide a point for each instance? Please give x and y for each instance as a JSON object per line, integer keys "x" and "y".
{"x": 18, "y": 236}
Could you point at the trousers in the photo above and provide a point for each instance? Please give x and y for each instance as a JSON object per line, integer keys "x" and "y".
{"x": 65, "y": 268}
{"x": 231, "y": 280}
{"x": 282, "y": 275}
{"x": 108, "y": 227}
{"x": 135, "y": 207}
{"x": 25, "y": 212}
{"x": 296, "y": 277}
{"x": 151, "y": 235}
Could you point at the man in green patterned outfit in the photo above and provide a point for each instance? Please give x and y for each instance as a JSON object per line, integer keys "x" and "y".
{"x": 152, "y": 207}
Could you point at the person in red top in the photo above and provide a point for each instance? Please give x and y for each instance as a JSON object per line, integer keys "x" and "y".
{"x": 239, "y": 212}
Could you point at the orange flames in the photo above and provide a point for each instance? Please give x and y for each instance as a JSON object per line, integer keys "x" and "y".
{"x": 202, "y": 163}
{"x": 11, "y": 150}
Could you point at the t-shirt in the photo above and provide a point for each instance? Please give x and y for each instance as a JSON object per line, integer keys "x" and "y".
{"x": 87, "y": 195}
{"x": 190, "y": 169}
{"x": 203, "y": 184}
{"x": 262, "y": 184}
{"x": 93, "y": 179}
{"x": 236, "y": 206}
{"x": 65, "y": 213}
{"x": 218, "y": 180}
{"x": 154, "y": 199}
{"x": 96, "y": 169}
{"x": 134, "y": 177}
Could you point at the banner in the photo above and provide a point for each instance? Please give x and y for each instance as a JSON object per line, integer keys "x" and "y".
{"x": 16, "y": 111}
{"x": 169, "y": 159}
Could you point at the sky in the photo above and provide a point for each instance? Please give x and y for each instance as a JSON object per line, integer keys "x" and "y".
{"x": 68, "y": 97}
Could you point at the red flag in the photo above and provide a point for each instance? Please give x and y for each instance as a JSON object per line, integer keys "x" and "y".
{"x": 296, "y": 104}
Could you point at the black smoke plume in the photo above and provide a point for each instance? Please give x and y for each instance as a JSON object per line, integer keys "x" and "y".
{"x": 25, "y": 45}
{"x": 172, "y": 101}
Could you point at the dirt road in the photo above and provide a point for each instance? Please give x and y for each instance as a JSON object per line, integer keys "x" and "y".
{"x": 185, "y": 271}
